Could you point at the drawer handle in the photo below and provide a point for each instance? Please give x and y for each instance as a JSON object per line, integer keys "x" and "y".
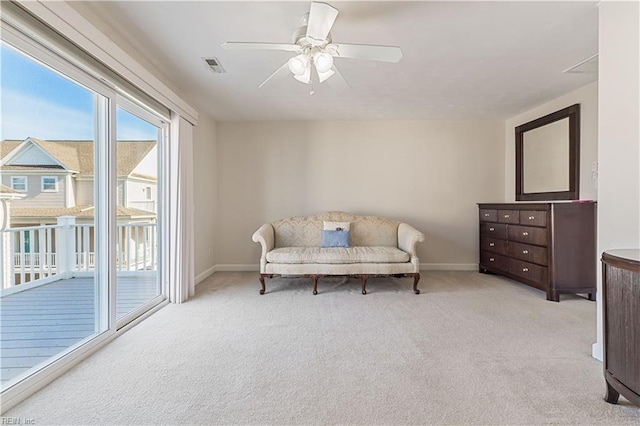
{"x": 486, "y": 215}
{"x": 491, "y": 244}
{"x": 506, "y": 216}
{"x": 525, "y": 251}
{"x": 531, "y": 217}
{"x": 524, "y": 234}
{"x": 492, "y": 229}
{"x": 491, "y": 259}
{"x": 525, "y": 269}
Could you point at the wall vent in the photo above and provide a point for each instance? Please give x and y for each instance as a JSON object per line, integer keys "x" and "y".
{"x": 215, "y": 65}
{"x": 586, "y": 66}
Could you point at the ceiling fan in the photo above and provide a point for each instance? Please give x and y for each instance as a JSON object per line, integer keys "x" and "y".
{"x": 315, "y": 50}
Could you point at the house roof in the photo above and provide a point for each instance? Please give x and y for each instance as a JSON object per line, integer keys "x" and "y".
{"x": 7, "y": 193}
{"x": 77, "y": 155}
{"x": 78, "y": 211}
{"x": 6, "y": 190}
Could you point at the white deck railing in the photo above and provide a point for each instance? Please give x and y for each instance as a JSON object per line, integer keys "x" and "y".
{"x": 40, "y": 254}
{"x": 149, "y": 206}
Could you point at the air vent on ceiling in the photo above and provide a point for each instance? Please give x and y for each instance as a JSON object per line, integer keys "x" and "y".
{"x": 586, "y": 66}
{"x": 214, "y": 64}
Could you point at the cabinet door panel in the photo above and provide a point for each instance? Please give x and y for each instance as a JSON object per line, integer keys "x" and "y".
{"x": 528, "y": 234}
{"x": 535, "y": 273}
{"x": 492, "y": 260}
{"x": 488, "y": 215}
{"x": 508, "y": 216}
{"x": 493, "y": 245}
{"x": 528, "y": 253}
{"x": 533, "y": 217}
{"x": 495, "y": 230}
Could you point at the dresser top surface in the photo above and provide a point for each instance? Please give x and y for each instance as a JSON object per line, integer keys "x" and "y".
{"x": 534, "y": 206}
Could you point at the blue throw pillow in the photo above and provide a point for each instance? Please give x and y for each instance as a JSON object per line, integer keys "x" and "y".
{"x": 337, "y": 238}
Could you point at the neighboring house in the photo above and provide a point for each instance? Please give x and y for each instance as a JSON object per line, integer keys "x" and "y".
{"x": 52, "y": 183}
{"x": 56, "y": 178}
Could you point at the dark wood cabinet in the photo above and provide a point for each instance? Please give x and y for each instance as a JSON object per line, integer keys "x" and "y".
{"x": 621, "y": 313}
{"x": 549, "y": 246}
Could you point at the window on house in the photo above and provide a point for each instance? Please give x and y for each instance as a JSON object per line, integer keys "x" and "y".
{"x": 19, "y": 183}
{"x": 49, "y": 184}
{"x": 147, "y": 192}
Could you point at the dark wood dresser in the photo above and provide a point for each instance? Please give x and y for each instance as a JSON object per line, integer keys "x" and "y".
{"x": 549, "y": 246}
{"x": 621, "y": 313}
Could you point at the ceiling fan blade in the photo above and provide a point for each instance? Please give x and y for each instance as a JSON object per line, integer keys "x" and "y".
{"x": 280, "y": 72}
{"x": 261, "y": 46}
{"x": 366, "y": 51}
{"x": 321, "y": 19}
{"x": 338, "y": 83}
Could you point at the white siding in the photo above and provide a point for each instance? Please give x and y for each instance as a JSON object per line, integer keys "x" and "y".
{"x": 33, "y": 155}
{"x": 149, "y": 164}
{"x": 137, "y": 196}
{"x": 120, "y": 192}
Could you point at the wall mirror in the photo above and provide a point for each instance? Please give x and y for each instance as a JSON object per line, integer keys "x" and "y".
{"x": 548, "y": 157}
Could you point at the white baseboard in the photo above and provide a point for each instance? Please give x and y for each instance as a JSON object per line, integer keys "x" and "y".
{"x": 238, "y": 268}
{"x": 206, "y": 274}
{"x": 596, "y": 351}
{"x": 423, "y": 267}
{"x": 448, "y": 266}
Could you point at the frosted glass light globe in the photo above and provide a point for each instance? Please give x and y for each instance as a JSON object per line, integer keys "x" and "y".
{"x": 298, "y": 64}
{"x": 323, "y": 61}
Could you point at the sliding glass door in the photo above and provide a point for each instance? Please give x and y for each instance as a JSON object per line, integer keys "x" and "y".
{"x": 139, "y": 136}
{"x": 54, "y": 289}
{"x": 80, "y": 193}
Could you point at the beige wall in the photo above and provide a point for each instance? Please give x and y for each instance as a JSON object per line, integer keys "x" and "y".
{"x": 619, "y": 134}
{"x": 429, "y": 174}
{"x": 587, "y": 97}
{"x": 35, "y": 198}
{"x": 205, "y": 193}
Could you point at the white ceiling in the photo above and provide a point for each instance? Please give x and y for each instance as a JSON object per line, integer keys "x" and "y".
{"x": 462, "y": 60}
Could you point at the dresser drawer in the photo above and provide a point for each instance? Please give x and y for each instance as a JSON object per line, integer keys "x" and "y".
{"x": 488, "y": 215}
{"x": 492, "y": 260}
{"x": 528, "y": 234}
{"x": 528, "y": 253}
{"x": 493, "y": 245}
{"x": 533, "y": 217}
{"x": 495, "y": 230}
{"x": 508, "y": 216}
{"x": 529, "y": 271}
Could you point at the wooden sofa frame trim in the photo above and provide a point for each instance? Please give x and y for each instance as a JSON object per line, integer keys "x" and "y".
{"x": 363, "y": 279}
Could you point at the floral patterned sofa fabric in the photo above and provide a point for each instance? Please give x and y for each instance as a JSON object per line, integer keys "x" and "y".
{"x": 379, "y": 246}
{"x": 306, "y": 231}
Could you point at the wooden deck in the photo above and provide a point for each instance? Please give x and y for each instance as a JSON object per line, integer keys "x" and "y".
{"x": 39, "y": 323}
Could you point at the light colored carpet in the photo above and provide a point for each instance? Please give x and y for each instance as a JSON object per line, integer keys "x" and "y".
{"x": 471, "y": 349}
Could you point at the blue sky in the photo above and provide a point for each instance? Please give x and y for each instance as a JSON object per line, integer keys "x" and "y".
{"x": 36, "y": 102}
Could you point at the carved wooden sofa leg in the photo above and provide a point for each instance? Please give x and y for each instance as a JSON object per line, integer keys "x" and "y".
{"x": 314, "y": 278}
{"x": 262, "y": 277}
{"x": 364, "y": 279}
{"x": 416, "y": 278}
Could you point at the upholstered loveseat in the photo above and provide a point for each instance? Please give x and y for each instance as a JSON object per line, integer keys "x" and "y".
{"x": 378, "y": 247}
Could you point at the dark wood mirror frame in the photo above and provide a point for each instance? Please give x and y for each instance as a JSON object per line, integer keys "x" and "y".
{"x": 573, "y": 113}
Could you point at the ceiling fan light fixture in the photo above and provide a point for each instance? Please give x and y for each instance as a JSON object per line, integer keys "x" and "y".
{"x": 322, "y": 76}
{"x": 305, "y": 77}
{"x": 298, "y": 64}
{"x": 323, "y": 62}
